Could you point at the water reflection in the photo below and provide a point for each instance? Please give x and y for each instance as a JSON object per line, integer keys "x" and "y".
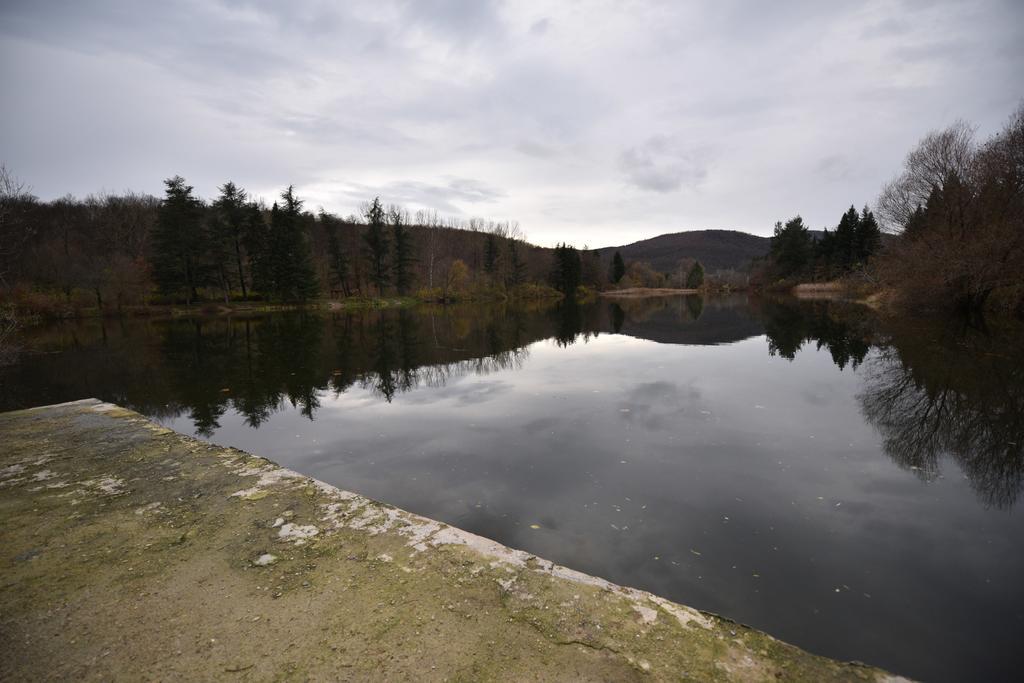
{"x": 258, "y": 365}
{"x": 929, "y": 391}
{"x": 932, "y": 390}
{"x": 935, "y": 392}
{"x": 842, "y": 329}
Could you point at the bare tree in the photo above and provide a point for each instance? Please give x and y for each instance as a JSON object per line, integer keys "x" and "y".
{"x": 940, "y": 156}
{"x": 958, "y": 211}
{"x": 15, "y": 230}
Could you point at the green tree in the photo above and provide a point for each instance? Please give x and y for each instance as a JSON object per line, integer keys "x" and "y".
{"x": 618, "y": 268}
{"x": 791, "y": 248}
{"x": 291, "y": 265}
{"x": 180, "y": 242}
{"x": 256, "y": 240}
{"x": 376, "y": 245}
{"x": 405, "y": 257}
{"x": 867, "y": 238}
{"x": 695, "y": 278}
{"x": 337, "y": 259}
{"x": 566, "y": 270}
{"x": 825, "y": 248}
{"x": 229, "y": 227}
{"x": 845, "y": 247}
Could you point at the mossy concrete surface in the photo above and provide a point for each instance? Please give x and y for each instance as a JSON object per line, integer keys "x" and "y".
{"x": 131, "y": 552}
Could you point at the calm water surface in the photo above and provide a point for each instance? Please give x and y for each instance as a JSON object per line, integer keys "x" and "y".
{"x": 847, "y": 486}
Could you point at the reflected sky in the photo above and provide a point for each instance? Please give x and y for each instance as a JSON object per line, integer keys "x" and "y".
{"x": 730, "y": 454}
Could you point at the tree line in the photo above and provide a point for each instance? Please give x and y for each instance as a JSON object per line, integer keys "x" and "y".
{"x": 797, "y": 253}
{"x": 115, "y": 251}
{"x": 688, "y": 274}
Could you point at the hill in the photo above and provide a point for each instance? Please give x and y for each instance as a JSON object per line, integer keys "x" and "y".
{"x": 716, "y": 249}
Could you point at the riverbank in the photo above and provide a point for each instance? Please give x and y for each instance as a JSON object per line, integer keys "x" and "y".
{"x": 134, "y": 552}
{"x": 208, "y": 309}
{"x": 32, "y": 315}
{"x": 639, "y": 292}
{"x": 32, "y": 308}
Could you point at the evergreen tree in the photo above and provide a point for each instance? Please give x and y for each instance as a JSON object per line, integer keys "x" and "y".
{"x": 791, "y": 247}
{"x": 180, "y": 242}
{"x": 376, "y": 245}
{"x": 845, "y": 249}
{"x": 565, "y": 274}
{"x": 405, "y": 257}
{"x": 590, "y": 273}
{"x": 696, "y": 276}
{"x": 618, "y": 268}
{"x": 868, "y": 236}
{"x": 256, "y": 240}
{"x": 916, "y": 224}
{"x": 229, "y": 223}
{"x": 826, "y": 250}
{"x": 337, "y": 259}
{"x": 291, "y": 266}
{"x": 490, "y": 255}
{"x": 517, "y": 272}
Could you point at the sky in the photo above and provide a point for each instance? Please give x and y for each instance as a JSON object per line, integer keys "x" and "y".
{"x": 595, "y": 123}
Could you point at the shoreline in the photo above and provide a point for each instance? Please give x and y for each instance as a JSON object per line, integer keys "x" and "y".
{"x": 640, "y": 292}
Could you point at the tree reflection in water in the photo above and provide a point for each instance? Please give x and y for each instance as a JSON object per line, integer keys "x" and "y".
{"x": 939, "y": 392}
{"x": 790, "y": 324}
{"x": 931, "y": 390}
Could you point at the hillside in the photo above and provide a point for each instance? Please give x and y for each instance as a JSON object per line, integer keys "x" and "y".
{"x": 716, "y": 249}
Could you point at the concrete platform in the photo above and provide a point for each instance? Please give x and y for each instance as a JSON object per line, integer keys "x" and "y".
{"x": 131, "y": 552}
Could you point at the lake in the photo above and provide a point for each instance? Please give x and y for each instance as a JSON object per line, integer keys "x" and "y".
{"x": 846, "y": 484}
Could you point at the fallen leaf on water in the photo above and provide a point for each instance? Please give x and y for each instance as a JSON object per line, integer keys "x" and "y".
{"x": 535, "y": 526}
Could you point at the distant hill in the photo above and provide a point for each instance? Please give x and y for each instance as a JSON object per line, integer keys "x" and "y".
{"x": 715, "y": 249}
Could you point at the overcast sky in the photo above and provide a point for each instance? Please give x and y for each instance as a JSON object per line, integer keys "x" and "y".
{"x": 593, "y": 122}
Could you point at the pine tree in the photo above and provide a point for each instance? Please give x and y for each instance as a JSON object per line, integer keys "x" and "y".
{"x": 376, "y": 245}
{"x": 916, "y": 225}
{"x": 517, "y": 272}
{"x": 868, "y": 236}
{"x": 566, "y": 271}
{"x": 405, "y": 257}
{"x": 256, "y": 240}
{"x": 618, "y": 268}
{"x": 180, "y": 242}
{"x": 229, "y": 223}
{"x": 291, "y": 266}
{"x": 844, "y": 252}
{"x": 791, "y": 247}
{"x": 826, "y": 251}
{"x": 695, "y": 279}
{"x": 337, "y": 262}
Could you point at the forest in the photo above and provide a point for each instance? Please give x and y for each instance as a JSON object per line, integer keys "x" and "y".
{"x": 120, "y": 252}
